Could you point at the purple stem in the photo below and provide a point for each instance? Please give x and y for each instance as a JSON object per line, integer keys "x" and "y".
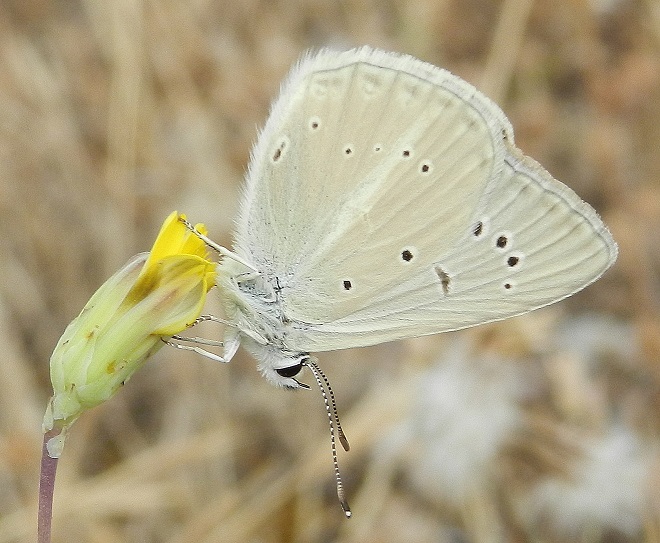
{"x": 46, "y": 489}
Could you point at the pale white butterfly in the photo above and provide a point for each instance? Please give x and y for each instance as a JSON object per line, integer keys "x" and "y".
{"x": 385, "y": 199}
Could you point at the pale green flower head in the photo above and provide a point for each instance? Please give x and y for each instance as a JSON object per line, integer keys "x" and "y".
{"x": 154, "y": 296}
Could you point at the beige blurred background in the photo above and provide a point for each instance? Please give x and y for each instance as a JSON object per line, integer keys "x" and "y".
{"x": 542, "y": 428}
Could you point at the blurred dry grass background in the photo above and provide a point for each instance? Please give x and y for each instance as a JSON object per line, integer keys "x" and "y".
{"x": 114, "y": 113}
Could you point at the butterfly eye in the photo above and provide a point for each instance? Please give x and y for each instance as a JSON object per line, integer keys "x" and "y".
{"x": 291, "y": 371}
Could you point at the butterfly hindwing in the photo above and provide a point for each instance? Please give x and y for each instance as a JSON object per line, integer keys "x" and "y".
{"x": 386, "y": 199}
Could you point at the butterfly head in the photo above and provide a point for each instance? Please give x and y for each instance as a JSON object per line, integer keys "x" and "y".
{"x": 279, "y": 366}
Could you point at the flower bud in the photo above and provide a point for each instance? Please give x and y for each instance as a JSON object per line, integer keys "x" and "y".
{"x": 154, "y": 296}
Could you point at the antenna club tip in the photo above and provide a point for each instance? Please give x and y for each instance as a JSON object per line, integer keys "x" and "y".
{"x": 346, "y": 508}
{"x": 344, "y": 442}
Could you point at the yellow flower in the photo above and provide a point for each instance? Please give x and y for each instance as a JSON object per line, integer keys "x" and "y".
{"x": 154, "y": 296}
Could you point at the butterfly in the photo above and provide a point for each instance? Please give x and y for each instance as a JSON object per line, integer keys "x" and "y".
{"x": 385, "y": 199}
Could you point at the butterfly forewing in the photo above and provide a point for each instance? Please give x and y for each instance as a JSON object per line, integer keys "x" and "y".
{"x": 372, "y": 159}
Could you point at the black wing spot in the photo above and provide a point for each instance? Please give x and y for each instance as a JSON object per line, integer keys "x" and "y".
{"x": 277, "y": 155}
{"x": 347, "y": 285}
{"x": 406, "y": 255}
{"x": 406, "y": 153}
{"x": 501, "y": 242}
{"x": 513, "y": 261}
{"x": 507, "y": 286}
{"x": 478, "y": 229}
{"x": 378, "y": 148}
{"x": 348, "y": 150}
{"x": 444, "y": 279}
{"x": 314, "y": 123}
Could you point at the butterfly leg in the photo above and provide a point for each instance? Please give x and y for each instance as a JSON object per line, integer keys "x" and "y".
{"x": 218, "y": 248}
{"x": 182, "y": 342}
{"x": 174, "y": 342}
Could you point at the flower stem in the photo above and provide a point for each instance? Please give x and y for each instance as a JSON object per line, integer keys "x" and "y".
{"x": 46, "y": 488}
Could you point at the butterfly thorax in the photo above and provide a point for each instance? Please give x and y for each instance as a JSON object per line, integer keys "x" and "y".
{"x": 252, "y": 307}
